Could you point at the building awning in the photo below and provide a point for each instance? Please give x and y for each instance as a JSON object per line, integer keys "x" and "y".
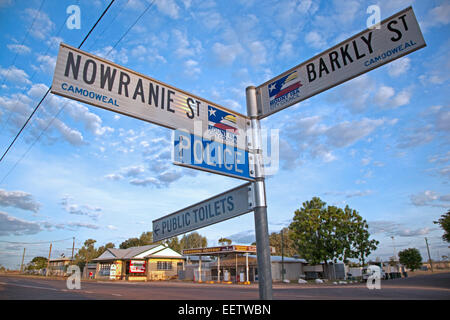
{"x": 210, "y": 251}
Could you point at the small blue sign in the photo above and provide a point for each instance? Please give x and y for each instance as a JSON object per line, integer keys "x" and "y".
{"x": 212, "y": 156}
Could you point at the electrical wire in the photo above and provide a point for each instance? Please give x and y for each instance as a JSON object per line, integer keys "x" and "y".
{"x": 35, "y": 71}
{"x": 38, "y": 242}
{"x": 62, "y": 108}
{"x": 45, "y": 95}
{"x": 23, "y": 41}
{"x": 131, "y": 27}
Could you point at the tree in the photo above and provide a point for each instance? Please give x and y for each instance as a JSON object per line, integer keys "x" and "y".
{"x": 411, "y": 258}
{"x": 288, "y": 244}
{"x": 225, "y": 241}
{"x": 102, "y": 249}
{"x": 193, "y": 240}
{"x": 444, "y": 221}
{"x": 173, "y": 243}
{"x": 360, "y": 246}
{"x": 37, "y": 263}
{"x": 86, "y": 253}
{"x": 315, "y": 233}
{"x": 131, "y": 242}
{"x": 145, "y": 239}
{"x": 323, "y": 233}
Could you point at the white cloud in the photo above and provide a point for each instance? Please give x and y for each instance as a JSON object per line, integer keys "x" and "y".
{"x": 84, "y": 210}
{"x": 415, "y": 137}
{"x": 345, "y": 93}
{"x": 91, "y": 121}
{"x": 114, "y": 176}
{"x": 399, "y": 66}
{"x": 258, "y": 53}
{"x": 191, "y": 68}
{"x": 168, "y": 7}
{"x": 401, "y": 99}
{"x": 443, "y": 119}
{"x": 112, "y": 54}
{"x": 145, "y": 181}
{"x": 47, "y": 63}
{"x": 226, "y": 54}
{"x": 10, "y": 225}
{"x": 18, "y": 199}
{"x": 386, "y": 98}
{"x": 346, "y": 133}
{"x": 72, "y": 136}
{"x": 77, "y": 225}
{"x": 132, "y": 171}
{"x": 184, "y": 47}
{"x": 19, "y": 105}
{"x": 383, "y": 95}
{"x": 42, "y": 24}
{"x": 54, "y": 42}
{"x": 430, "y": 198}
{"x": 19, "y": 48}
{"x": 438, "y": 16}
{"x": 315, "y": 40}
{"x": 350, "y": 194}
{"x": 391, "y": 228}
{"x": 307, "y": 6}
{"x": 135, "y": 5}
{"x": 15, "y": 75}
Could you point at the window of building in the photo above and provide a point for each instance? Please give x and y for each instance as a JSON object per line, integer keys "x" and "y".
{"x": 164, "y": 265}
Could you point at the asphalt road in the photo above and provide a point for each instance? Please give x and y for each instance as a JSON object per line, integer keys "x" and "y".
{"x": 435, "y": 286}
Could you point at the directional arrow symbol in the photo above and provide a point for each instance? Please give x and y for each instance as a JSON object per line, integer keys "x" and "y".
{"x": 156, "y": 229}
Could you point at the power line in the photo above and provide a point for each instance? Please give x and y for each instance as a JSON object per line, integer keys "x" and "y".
{"x": 35, "y": 71}
{"x": 45, "y": 95}
{"x": 23, "y": 41}
{"x": 131, "y": 26}
{"x": 62, "y": 108}
{"x": 38, "y": 242}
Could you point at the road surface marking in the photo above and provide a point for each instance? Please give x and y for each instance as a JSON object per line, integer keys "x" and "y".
{"x": 26, "y": 286}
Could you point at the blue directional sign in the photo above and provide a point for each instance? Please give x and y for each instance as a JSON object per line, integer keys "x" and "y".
{"x": 208, "y": 155}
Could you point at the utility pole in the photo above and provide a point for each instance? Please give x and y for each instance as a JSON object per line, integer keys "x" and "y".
{"x": 282, "y": 256}
{"x": 260, "y": 211}
{"x": 73, "y": 248}
{"x": 48, "y": 261}
{"x": 429, "y": 257}
{"x": 395, "y": 253}
{"x": 23, "y": 257}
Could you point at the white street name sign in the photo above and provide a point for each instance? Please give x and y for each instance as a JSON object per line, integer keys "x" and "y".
{"x": 90, "y": 79}
{"x": 398, "y": 36}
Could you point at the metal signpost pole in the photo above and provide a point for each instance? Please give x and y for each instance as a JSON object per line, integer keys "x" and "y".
{"x": 260, "y": 211}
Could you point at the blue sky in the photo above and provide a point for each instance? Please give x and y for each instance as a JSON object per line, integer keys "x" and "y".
{"x": 379, "y": 143}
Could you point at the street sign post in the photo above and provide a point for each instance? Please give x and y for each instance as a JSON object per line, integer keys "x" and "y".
{"x": 212, "y": 138}
{"x": 223, "y": 206}
{"x": 193, "y": 151}
{"x": 93, "y": 80}
{"x": 398, "y": 36}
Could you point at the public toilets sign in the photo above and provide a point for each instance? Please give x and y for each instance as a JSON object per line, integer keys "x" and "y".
{"x": 398, "y": 36}
{"x": 90, "y": 79}
{"x": 224, "y": 206}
